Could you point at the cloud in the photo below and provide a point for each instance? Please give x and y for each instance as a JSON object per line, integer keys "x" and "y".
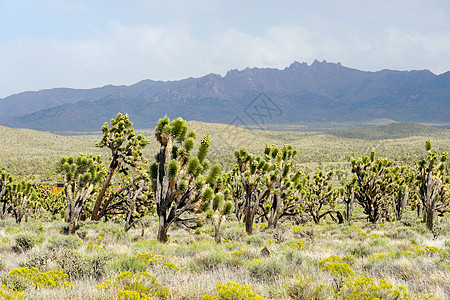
{"x": 126, "y": 54}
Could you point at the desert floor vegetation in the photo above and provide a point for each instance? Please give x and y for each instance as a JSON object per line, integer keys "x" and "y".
{"x": 395, "y": 260}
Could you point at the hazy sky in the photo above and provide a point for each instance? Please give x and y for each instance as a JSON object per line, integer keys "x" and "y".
{"x": 90, "y": 43}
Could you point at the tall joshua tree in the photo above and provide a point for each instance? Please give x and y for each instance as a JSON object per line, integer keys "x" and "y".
{"x": 179, "y": 182}
{"x": 318, "y": 193}
{"x": 81, "y": 175}
{"x": 434, "y": 186}
{"x": 283, "y": 199}
{"x": 252, "y": 174}
{"x": 126, "y": 151}
{"x": 373, "y": 188}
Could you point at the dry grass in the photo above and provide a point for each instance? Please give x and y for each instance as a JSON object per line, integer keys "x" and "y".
{"x": 295, "y": 251}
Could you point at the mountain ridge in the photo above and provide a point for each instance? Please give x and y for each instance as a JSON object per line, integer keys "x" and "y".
{"x": 320, "y": 92}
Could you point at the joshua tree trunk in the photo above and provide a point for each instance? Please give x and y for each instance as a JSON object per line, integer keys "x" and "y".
{"x": 95, "y": 212}
{"x": 162, "y": 230}
{"x": 430, "y": 217}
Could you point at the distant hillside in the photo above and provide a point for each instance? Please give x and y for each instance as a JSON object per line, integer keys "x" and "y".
{"x": 33, "y": 154}
{"x": 321, "y": 92}
{"x": 393, "y": 131}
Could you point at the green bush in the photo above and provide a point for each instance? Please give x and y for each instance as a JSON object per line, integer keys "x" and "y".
{"x": 79, "y": 266}
{"x": 360, "y": 250}
{"x": 128, "y": 263}
{"x": 108, "y": 230}
{"x": 25, "y": 242}
{"x": 207, "y": 261}
{"x": 68, "y": 241}
{"x": 402, "y": 233}
{"x": 305, "y": 288}
{"x": 234, "y": 233}
{"x": 254, "y": 240}
{"x": 38, "y": 260}
{"x": 267, "y": 268}
{"x": 16, "y": 282}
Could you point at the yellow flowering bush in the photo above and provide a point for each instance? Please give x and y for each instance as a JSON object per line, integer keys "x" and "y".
{"x": 380, "y": 256}
{"x": 233, "y": 291}
{"x": 136, "y": 286}
{"x": 52, "y": 278}
{"x": 9, "y": 294}
{"x": 96, "y": 245}
{"x": 152, "y": 258}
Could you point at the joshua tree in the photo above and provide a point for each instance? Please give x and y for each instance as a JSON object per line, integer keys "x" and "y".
{"x": 221, "y": 208}
{"x": 132, "y": 199}
{"x": 178, "y": 181}
{"x": 5, "y": 180}
{"x": 81, "y": 175}
{"x": 434, "y": 186}
{"x": 403, "y": 179}
{"x": 373, "y": 188}
{"x": 20, "y": 194}
{"x": 317, "y": 192}
{"x": 283, "y": 199}
{"x": 251, "y": 173}
{"x": 126, "y": 151}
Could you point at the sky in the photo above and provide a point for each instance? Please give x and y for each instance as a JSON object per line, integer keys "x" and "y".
{"x": 90, "y": 43}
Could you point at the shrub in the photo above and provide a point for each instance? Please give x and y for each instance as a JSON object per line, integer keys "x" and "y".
{"x": 38, "y": 260}
{"x": 16, "y": 282}
{"x": 265, "y": 268}
{"x": 80, "y": 266}
{"x": 305, "y": 288}
{"x": 402, "y": 232}
{"x": 128, "y": 263}
{"x": 360, "y": 250}
{"x": 209, "y": 261}
{"x": 233, "y": 291}
{"x": 108, "y": 230}
{"x": 152, "y": 258}
{"x": 52, "y": 278}
{"x": 68, "y": 241}
{"x": 365, "y": 288}
{"x": 25, "y": 242}
{"x": 254, "y": 240}
{"x": 234, "y": 233}
{"x": 9, "y": 294}
{"x": 142, "y": 284}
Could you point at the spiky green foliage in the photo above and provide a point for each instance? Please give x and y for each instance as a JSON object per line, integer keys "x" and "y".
{"x": 21, "y": 195}
{"x": 433, "y": 184}
{"x": 284, "y": 182}
{"x": 179, "y": 178}
{"x": 81, "y": 175}
{"x": 318, "y": 193}
{"x": 251, "y": 185}
{"x": 5, "y": 180}
{"x": 126, "y": 152}
{"x": 373, "y": 188}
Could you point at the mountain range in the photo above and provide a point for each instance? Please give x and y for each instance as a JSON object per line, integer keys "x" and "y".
{"x": 254, "y": 97}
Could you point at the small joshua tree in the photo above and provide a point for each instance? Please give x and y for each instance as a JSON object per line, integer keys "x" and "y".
{"x": 373, "y": 188}
{"x": 20, "y": 195}
{"x": 126, "y": 151}
{"x": 179, "y": 183}
{"x": 5, "y": 180}
{"x": 251, "y": 174}
{"x": 283, "y": 199}
{"x": 318, "y": 193}
{"x": 434, "y": 186}
{"x": 222, "y": 205}
{"x": 81, "y": 175}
